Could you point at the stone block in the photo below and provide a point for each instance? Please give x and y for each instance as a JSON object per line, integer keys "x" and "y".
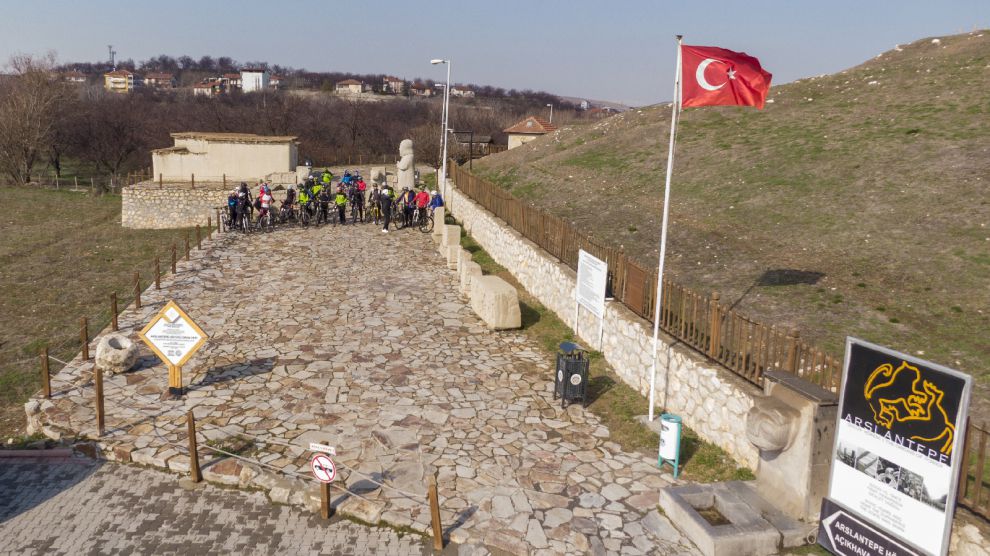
{"x": 453, "y": 256}
{"x": 438, "y": 222}
{"x": 464, "y": 258}
{"x": 451, "y": 236}
{"x": 469, "y": 271}
{"x": 115, "y": 353}
{"x": 496, "y": 302}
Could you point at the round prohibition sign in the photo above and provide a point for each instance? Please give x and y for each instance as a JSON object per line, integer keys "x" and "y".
{"x": 323, "y": 468}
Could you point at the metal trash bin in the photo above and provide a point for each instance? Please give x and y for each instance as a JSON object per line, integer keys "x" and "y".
{"x": 571, "y": 379}
{"x": 670, "y": 441}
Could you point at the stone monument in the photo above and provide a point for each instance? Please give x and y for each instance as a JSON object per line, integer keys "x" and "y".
{"x": 406, "y": 165}
{"x": 115, "y": 353}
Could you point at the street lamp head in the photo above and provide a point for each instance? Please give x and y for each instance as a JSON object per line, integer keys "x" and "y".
{"x": 548, "y": 104}
{"x": 436, "y": 61}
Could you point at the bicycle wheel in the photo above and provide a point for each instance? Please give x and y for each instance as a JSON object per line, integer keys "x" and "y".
{"x": 304, "y": 218}
{"x": 426, "y": 224}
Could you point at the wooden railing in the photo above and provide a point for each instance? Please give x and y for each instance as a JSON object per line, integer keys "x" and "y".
{"x": 743, "y": 345}
{"x": 974, "y": 482}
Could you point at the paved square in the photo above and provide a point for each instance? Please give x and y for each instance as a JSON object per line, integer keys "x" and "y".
{"x": 359, "y": 339}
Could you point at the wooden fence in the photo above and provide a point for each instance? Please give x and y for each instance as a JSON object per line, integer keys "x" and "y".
{"x": 743, "y": 345}
{"x": 974, "y": 484}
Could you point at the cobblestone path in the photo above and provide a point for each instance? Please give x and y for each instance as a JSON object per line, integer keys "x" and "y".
{"x": 360, "y": 339}
{"x": 82, "y": 507}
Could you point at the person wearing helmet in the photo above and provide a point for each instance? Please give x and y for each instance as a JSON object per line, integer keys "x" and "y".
{"x": 421, "y": 200}
{"x": 305, "y": 198}
{"x": 340, "y": 200}
{"x": 406, "y": 205}
{"x": 436, "y": 200}
{"x": 232, "y": 207}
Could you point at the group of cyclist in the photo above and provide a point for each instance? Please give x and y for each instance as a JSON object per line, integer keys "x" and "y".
{"x": 311, "y": 201}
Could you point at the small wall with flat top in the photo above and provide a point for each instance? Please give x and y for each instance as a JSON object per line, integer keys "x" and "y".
{"x": 711, "y": 400}
{"x": 150, "y": 206}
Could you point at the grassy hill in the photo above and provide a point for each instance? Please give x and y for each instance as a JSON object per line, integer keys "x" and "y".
{"x": 872, "y": 183}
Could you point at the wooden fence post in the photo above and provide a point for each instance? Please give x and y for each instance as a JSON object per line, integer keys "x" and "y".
{"x": 137, "y": 290}
{"x": 199, "y": 238}
{"x": 194, "y": 472}
{"x": 84, "y": 337}
{"x": 161, "y": 180}
{"x": 792, "y": 351}
{"x": 325, "y": 500}
{"x": 98, "y": 382}
{"x": 113, "y": 311}
{"x": 46, "y": 379}
{"x": 218, "y": 221}
{"x": 158, "y": 273}
{"x": 209, "y": 226}
{"x": 192, "y": 181}
{"x": 225, "y": 182}
{"x": 435, "y": 513}
{"x": 715, "y": 327}
{"x": 173, "y": 257}
{"x": 187, "y": 246}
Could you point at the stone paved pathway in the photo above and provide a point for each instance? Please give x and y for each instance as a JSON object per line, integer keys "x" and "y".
{"x": 360, "y": 339}
{"x": 83, "y": 507}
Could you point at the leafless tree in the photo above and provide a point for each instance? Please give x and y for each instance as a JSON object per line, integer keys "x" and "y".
{"x": 31, "y": 102}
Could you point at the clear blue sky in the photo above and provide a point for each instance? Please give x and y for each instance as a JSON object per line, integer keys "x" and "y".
{"x": 620, "y": 51}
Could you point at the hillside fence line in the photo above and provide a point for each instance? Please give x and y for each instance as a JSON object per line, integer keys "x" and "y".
{"x": 740, "y": 344}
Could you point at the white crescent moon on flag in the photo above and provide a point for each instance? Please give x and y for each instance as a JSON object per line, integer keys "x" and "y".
{"x": 700, "y": 75}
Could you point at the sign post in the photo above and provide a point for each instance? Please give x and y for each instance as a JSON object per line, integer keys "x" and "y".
{"x": 174, "y": 338}
{"x": 592, "y": 278}
{"x": 896, "y": 459}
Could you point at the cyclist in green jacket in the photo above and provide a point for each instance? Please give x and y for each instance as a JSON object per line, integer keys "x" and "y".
{"x": 341, "y": 201}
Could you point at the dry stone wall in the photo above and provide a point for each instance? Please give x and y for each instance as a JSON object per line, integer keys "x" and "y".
{"x": 711, "y": 400}
{"x": 150, "y": 207}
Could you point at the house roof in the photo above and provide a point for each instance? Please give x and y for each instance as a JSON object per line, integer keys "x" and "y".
{"x": 233, "y": 137}
{"x": 418, "y": 86}
{"x": 232, "y": 76}
{"x": 349, "y": 82}
{"x": 253, "y": 70}
{"x": 390, "y": 78}
{"x": 534, "y": 125}
{"x": 118, "y": 73}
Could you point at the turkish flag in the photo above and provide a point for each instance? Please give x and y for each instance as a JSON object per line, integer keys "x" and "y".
{"x": 712, "y": 76}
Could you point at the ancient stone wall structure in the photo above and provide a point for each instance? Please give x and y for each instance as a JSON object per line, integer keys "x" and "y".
{"x": 148, "y": 206}
{"x": 711, "y": 400}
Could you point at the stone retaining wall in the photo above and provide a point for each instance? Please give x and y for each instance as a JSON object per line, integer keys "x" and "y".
{"x": 711, "y": 400}
{"x": 173, "y": 206}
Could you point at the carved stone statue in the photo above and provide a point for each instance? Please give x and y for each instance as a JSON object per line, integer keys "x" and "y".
{"x": 406, "y": 165}
{"x": 770, "y": 425}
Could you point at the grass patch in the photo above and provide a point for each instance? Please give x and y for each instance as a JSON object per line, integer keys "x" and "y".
{"x": 613, "y": 401}
{"x": 64, "y": 253}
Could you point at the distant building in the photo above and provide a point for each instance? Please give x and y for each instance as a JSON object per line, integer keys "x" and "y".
{"x": 584, "y": 105}
{"x": 255, "y": 79}
{"x": 421, "y": 90}
{"x": 231, "y": 81}
{"x": 210, "y": 156}
{"x": 527, "y": 130}
{"x": 74, "y": 77}
{"x": 461, "y": 91}
{"x": 275, "y": 82}
{"x": 159, "y": 81}
{"x": 121, "y": 81}
{"x": 209, "y": 88}
{"x": 350, "y": 87}
{"x": 479, "y": 145}
{"x": 393, "y": 85}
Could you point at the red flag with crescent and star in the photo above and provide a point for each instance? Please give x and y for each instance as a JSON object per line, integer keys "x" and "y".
{"x": 712, "y": 76}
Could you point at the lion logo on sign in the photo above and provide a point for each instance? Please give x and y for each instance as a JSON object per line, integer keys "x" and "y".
{"x": 918, "y": 403}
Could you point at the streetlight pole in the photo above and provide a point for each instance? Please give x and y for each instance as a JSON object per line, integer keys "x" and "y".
{"x": 442, "y": 181}
{"x": 551, "y": 112}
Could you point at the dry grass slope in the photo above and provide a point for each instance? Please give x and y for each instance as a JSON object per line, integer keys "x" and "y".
{"x": 875, "y": 177}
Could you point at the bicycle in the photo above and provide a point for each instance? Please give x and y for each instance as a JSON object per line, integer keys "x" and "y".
{"x": 304, "y": 215}
{"x": 423, "y": 220}
{"x": 266, "y": 222}
{"x": 286, "y": 213}
{"x": 375, "y": 213}
{"x": 225, "y": 219}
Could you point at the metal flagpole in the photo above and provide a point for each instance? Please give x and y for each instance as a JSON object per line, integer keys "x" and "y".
{"x": 674, "y": 115}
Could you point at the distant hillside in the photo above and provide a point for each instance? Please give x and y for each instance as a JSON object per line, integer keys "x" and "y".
{"x": 875, "y": 177}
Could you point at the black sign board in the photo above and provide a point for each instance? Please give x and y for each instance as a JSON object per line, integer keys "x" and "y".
{"x": 842, "y": 532}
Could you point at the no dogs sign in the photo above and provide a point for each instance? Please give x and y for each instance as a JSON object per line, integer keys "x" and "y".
{"x": 323, "y": 468}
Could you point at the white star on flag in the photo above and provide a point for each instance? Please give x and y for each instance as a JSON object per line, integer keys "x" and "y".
{"x": 732, "y": 74}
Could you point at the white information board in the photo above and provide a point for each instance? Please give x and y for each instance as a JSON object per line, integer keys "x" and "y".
{"x": 592, "y": 275}
{"x": 173, "y": 336}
